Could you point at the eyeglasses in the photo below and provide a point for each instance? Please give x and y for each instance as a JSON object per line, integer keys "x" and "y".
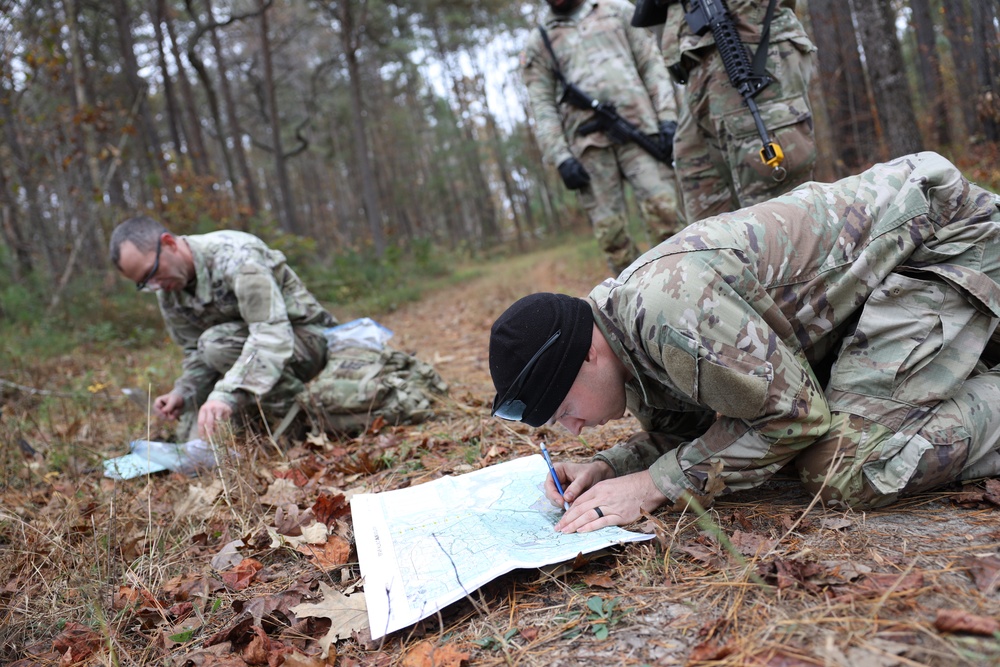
{"x": 144, "y": 283}
{"x": 510, "y": 407}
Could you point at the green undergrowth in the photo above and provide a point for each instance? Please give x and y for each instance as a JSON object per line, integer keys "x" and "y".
{"x": 100, "y": 311}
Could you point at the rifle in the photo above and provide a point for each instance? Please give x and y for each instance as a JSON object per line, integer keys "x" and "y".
{"x": 606, "y": 118}
{"x": 748, "y": 78}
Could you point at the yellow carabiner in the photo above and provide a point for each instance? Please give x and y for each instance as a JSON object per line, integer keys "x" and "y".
{"x": 771, "y": 154}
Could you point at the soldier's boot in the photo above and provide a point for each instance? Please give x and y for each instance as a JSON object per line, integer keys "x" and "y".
{"x": 613, "y": 239}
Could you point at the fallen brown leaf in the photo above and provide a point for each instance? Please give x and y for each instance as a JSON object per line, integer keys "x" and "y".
{"x": 281, "y": 492}
{"x": 346, "y": 613}
{"x": 598, "y": 581}
{"x": 426, "y": 654}
{"x": 298, "y": 660}
{"x": 751, "y": 544}
{"x": 289, "y": 520}
{"x": 336, "y": 551}
{"x": 875, "y": 585}
{"x": 293, "y": 475}
{"x": 958, "y": 620}
{"x": 710, "y": 650}
{"x": 259, "y": 648}
{"x": 76, "y": 642}
{"x": 327, "y": 509}
{"x": 240, "y": 576}
{"x": 985, "y": 572}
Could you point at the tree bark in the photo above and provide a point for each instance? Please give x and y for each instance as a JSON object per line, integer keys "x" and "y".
{"x": 195, "y": 139}
{"x": 484, "y": 211}
{"x": 13, "y": 236}
{"x": 884, "y": 59}
{"x": 168, "y": 82}
{"x": 23, "y": 167}
{"x": 959, "y": 36}
{"x": 289, "y": 220}
{"x": 986, "y": 46}
{"x": 249, "y": 190}
{"x": 151, "y": 151}
{"x": 349, "y": 44}
{"x": 929, "y": 66}
{"x": 85, "y": 126}
{"x": 841, "y": 76}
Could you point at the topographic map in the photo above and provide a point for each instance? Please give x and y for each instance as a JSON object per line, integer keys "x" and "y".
{"x": 426, "y": 546}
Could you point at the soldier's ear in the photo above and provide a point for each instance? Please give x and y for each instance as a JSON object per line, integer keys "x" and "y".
{"x": 168, "y": 240}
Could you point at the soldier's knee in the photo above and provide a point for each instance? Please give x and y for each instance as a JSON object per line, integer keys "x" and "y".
{"x": 845, "y": 489}
{"x": 220, "y": 346}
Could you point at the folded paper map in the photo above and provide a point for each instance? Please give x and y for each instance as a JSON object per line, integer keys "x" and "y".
{"x": 426, "y": 546}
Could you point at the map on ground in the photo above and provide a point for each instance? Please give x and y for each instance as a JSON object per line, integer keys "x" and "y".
{"x": 426, "y": 546}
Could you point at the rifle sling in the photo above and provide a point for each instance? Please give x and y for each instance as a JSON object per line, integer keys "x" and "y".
{"x": 760, "y": 56}
{"x": 555, "y": 61}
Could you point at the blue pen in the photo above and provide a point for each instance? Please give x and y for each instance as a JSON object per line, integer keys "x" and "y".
{"x": 555, "y": 478}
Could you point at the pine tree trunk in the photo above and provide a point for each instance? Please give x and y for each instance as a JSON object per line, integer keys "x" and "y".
{"x": 195, "y": 140}
{"x": 168, "y": 82}
{"x": 247, "y": 187}
{"x": 884, "y": 60}
{"x": 932, "y": 87}
{"x": 373, "y": 212}
{"x": 986, "y": 46}
{"x": 289, "y": 220}
{"x": 151, "y": 150}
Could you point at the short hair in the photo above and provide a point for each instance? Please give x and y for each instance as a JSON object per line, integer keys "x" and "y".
{"x": 141, "y": 230}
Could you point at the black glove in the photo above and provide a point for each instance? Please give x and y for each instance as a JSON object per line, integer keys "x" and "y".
{"x": 573, "y": 174}
{"x": 668, "y": 128}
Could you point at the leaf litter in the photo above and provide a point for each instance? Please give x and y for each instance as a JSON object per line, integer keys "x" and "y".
{"x": 255, "y": 565}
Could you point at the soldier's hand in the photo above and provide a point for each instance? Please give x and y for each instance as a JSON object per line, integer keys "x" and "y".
{"x": 668, "y": 128}
{"x": 169, "y": 405}
{"x": 212, "y": 413}
{"x": 575, "y": 478}
{"x": 620, "y": 500}
{"x": 573, "y": 174}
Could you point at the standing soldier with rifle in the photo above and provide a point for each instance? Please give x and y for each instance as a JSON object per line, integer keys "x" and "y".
{"x": 604, "y": 111}
{"x": 746, "y": 129}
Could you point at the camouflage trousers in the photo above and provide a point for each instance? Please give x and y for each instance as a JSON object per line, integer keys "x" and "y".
{"x": 912, "y": 404}
{"x": 717, "y": 146}
{"x": 220, "y": 347}
{"x": 604, "y": 199}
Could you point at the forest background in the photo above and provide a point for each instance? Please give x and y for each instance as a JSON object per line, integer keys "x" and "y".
{"x": 365, "y": 136}
{"x": 386, "y": 148}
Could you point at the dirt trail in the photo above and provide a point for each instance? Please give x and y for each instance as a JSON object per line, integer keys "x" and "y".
{"x": 450, "y": 328}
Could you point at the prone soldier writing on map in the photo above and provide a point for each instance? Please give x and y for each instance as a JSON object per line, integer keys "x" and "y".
{"x": 849, "y": 327}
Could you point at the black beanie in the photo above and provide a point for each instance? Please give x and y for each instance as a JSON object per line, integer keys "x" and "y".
{"x": 521, "y": 331}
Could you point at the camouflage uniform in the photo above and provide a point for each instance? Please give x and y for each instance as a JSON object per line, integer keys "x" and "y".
{"x": 853, "y": 321}
{"x": 249, "y": 328}
{"x": 716, "y": 149}
{"x": 611, "y": 61}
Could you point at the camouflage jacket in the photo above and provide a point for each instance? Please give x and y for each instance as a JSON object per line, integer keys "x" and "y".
{"x": 732, "y": 315}
{"x": 238, "y": 279}
{"x": 747, "y": 15}
{"x": 599, "y": 51}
